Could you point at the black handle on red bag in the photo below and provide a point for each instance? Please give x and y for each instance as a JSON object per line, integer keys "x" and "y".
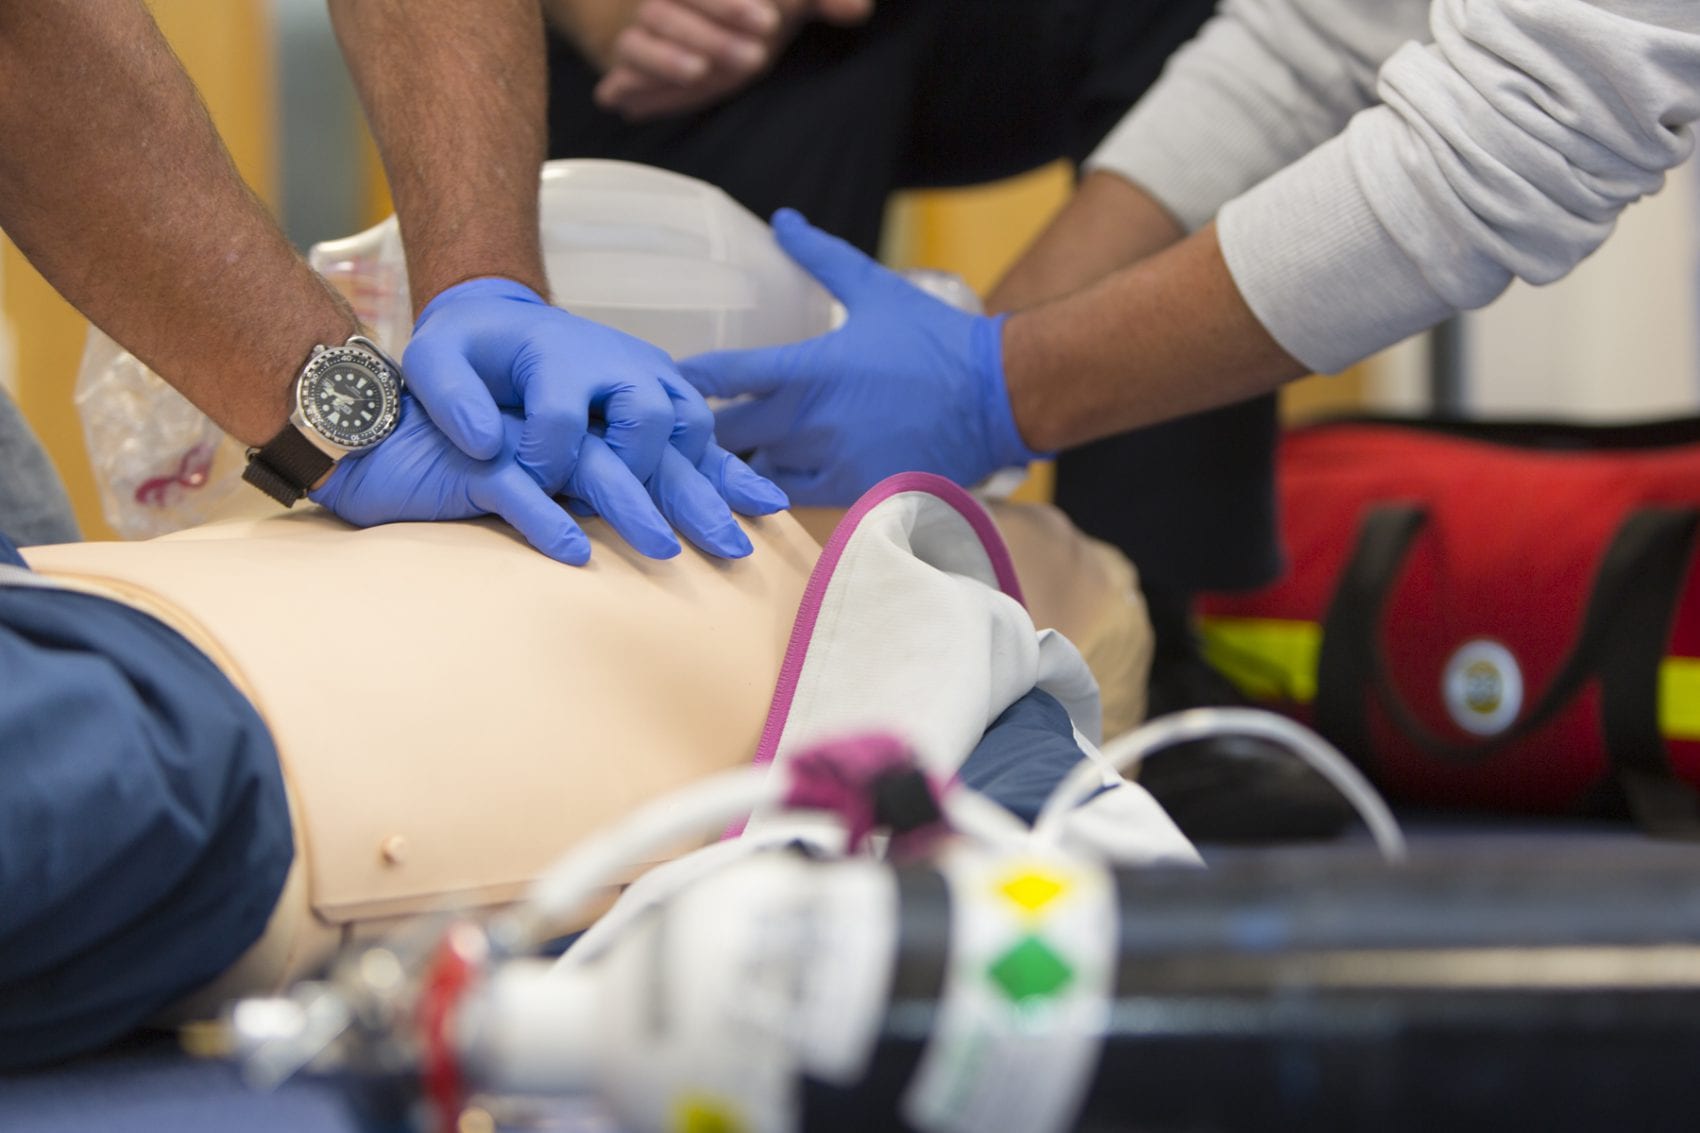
{"x": 1628, "y": 620}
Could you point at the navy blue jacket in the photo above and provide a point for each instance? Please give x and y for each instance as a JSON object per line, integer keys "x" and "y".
{"x": 144, "y": 831}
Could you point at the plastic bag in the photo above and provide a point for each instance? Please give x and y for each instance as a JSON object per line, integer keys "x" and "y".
{"x": 160, "y": 463}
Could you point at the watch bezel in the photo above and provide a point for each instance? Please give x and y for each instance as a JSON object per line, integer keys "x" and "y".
{"x": 365, "y": 355}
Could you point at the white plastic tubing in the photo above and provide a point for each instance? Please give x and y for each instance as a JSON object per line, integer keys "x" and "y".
{"x": 589, "y": 868}
{"x": 1126, "y": 751}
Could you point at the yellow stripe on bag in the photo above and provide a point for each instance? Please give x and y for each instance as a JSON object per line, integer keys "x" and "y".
{"x": 1272, "y": 659}
{"x": 1679, "y": 698}
{"x": 1266, "y": 658}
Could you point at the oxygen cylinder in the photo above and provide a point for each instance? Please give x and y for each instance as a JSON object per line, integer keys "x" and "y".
{"x": 988, "y": 993}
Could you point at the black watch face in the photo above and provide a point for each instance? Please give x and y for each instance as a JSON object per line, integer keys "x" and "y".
{"x": 351, "y": 397}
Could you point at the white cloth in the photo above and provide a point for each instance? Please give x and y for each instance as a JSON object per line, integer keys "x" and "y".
{"x": 1509, "y": 136}
{"x": 910, "y": 627}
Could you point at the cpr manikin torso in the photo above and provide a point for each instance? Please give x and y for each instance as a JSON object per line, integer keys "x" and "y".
{"x": 451, "y": 708}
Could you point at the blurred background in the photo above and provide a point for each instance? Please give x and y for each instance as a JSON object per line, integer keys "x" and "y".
{"x": 1618, "y": 340}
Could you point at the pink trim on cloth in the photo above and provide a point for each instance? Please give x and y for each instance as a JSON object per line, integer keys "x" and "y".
{"x": 814, "y": 595}
{"x": 802, "y": 630}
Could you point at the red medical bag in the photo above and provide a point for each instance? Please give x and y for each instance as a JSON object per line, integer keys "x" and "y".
{"x": 1504, "y": 617}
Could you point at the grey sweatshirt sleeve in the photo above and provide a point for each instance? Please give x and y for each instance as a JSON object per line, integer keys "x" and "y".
{"x": 1265, "y": 82}
{"x": 1505, "y": 148}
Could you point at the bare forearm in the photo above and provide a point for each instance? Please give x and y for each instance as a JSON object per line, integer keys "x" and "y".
{"x": 1102, "y": 343}
{"x": 1168, "y": 336}
{"x": 456, "y": 97}
{"x": 115, "y": 185}
{"x": 1107, "y": 224}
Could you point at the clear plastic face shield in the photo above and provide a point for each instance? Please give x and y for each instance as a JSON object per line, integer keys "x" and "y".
{"x": 665, "y": 257}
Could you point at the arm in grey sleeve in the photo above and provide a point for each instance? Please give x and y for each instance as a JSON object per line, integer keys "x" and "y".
{"x": 1265, "y": 82}
{"x": 1505, "y": 148}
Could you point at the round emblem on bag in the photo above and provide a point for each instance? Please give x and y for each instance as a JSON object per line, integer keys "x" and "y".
{"x": 1483, "y": 687}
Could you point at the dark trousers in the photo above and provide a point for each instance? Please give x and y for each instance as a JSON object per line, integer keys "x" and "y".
{"x": 33, "y": 505}
{"x": 955, "y": 92}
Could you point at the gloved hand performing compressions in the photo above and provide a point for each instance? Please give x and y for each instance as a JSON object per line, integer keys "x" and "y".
{"x": 606, "y": 422}
{"x": 908, "y": 383}
{"x": 416, "y": 474}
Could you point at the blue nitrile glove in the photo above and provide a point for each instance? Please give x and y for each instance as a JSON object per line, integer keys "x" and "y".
{"x": 417, "y": 474}
{"x": 694, "y": 482}
{"x": 908, "y": 383}
{"x": 494, "y": 342}
{"x": 696, "y": 475}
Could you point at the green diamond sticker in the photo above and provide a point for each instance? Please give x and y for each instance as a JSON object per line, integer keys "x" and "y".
{"x": 1030, "y": 970}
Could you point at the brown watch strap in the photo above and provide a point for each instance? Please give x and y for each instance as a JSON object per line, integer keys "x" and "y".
{"x": 286, "y": 466}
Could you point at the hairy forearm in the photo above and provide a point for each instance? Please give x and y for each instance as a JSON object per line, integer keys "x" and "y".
{"x": 115, "y": 185}
{"x": 1107, "y": 224}
{"x": 456, "y": 97}
{"x": 1168, "y": 336}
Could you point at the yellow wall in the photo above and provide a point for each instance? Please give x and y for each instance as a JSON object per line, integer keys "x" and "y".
{"x": 226, "y": 47}
{"x": 977, "y": 232}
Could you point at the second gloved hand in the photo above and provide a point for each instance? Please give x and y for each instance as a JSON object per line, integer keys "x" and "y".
{"x": 494, "y": 342}
{"x": 607, "y": 420}
{"x": 416, "y": 474}
{"x": 908, "y": 383}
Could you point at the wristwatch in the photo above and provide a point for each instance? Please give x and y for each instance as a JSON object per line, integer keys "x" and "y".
{"x": 347, "y": 399}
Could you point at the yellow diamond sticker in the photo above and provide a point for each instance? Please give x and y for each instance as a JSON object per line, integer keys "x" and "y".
{"x": 1032, "y": 890}
{"x": 704, "y": 1115}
